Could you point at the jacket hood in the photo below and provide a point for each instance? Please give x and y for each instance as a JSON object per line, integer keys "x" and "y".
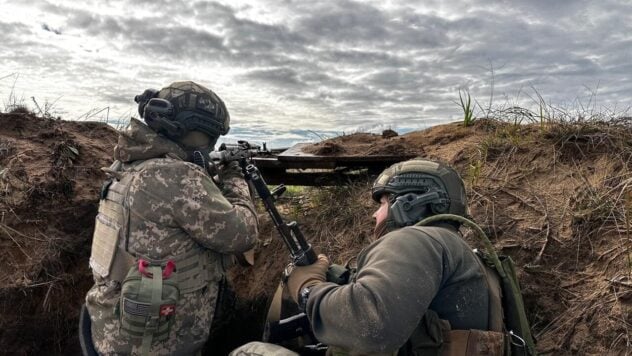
{"x": 139, "y": 142}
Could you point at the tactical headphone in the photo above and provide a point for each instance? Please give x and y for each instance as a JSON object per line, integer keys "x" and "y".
{"x": 159, "y": 114}
{"x": 408, "y": 209}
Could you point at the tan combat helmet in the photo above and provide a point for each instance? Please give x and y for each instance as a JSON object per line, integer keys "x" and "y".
{"x": 182, "y": 107}
{"x": 440, "y": 184}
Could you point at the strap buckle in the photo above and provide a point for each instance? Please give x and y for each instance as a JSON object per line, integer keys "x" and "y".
{"x": 166, "y": 273}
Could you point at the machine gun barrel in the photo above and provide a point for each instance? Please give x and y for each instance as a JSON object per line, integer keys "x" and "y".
{"x": 301, "y": 251}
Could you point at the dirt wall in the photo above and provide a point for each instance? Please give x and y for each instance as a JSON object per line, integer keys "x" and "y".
{"x": 554, "y": 197}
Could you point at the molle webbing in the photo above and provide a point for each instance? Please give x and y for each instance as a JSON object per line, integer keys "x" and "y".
{"x": 199, "y": 270}
{"x": 196, "y": 269}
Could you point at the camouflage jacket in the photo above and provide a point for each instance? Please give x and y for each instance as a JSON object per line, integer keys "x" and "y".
{"x": 174, "y": 207}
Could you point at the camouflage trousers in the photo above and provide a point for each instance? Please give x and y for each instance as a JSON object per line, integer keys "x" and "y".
{"x": 261, "y": 349}
{"x": 194, "y": 314}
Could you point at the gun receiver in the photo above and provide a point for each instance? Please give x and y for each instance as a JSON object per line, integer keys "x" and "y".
{"x": 301, "y": 251}
{"x": 242, "y": 150}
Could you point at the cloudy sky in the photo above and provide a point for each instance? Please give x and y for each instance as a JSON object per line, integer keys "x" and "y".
{"x": 291, "y": 70}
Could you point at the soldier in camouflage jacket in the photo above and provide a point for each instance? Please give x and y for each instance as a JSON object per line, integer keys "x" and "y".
{"x": 169, "y": 209}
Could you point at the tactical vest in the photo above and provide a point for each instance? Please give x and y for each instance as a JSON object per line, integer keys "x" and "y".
{"x": 150, "y": 288}
{"x": 509, "y": 333}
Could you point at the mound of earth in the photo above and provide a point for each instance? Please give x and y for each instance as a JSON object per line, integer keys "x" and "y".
{"x": 555, "y": 197}
{"x": 365, "y": 144}
{"x": 50, "y": 176}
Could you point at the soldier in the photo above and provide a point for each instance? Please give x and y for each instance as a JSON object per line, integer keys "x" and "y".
{"x": 417, "y": 290}
{"x": 166, "y": 232}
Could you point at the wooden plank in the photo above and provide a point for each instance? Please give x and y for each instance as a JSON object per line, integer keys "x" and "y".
{"x": 313, "y": 178}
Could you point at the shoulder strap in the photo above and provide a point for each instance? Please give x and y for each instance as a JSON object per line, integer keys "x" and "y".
{"x": 495, "y": 307}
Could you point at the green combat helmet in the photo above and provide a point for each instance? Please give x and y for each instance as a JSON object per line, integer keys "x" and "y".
{"x": 419, "y": 188}
{"x": 182, "y": 107}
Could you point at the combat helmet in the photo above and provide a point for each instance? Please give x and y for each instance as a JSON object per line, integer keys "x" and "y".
{"x": 182, "y": 107}
{"x": 419, "y": 188}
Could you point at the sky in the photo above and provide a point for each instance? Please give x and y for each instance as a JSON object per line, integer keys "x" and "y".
{"x": 292, "y": 71}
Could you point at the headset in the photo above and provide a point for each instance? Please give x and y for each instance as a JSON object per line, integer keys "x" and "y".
{"x": 408, "y": 209}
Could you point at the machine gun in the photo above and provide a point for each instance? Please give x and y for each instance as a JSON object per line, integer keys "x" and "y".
{"x": 301, "y": 251}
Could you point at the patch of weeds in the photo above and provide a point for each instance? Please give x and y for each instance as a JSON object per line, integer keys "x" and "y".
{"x": 475, "y": 168}
{"x": 600, "y": 209}
{"x": 466, "y": 105}
{"x": 581, "y": 138}
{"x": 343, "y": 216}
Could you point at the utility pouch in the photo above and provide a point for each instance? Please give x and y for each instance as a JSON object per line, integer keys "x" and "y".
{"x": 147, "y": 307}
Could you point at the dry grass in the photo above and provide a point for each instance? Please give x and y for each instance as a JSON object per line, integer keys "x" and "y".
{"x": 556, "y": 196}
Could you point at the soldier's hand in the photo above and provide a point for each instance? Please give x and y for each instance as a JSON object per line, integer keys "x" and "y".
{"x": 307, "y": 276}
{"x": 231, "y": 170}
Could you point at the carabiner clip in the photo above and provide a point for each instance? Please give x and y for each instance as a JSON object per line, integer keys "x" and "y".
{"x": 513, "y": 336}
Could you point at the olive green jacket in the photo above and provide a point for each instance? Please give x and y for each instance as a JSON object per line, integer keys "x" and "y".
{"x": 399, "y": 277}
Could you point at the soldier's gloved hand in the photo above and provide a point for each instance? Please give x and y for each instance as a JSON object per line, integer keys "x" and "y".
{"x": 307, "y": 276}
{"x": 230, "y": 170}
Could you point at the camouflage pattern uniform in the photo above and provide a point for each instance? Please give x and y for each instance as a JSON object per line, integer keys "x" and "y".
{"x": 174, "y": 208}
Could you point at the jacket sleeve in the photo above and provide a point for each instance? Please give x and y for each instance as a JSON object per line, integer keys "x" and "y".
{"x": 198, "y": 207}
{"x": 396, "y": 282}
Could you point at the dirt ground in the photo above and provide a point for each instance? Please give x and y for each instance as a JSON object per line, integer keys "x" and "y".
{"x": 554, "y": 197}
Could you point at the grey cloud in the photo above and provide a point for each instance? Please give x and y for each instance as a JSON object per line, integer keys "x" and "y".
{"x": 155, "y": 36}
{"x": 355, "y": 23}
{"x": 396, "y": 79}
{"x": 344, "y": 20}
{"x": 358, "y": 57}
{"x": 282, "y": 77}
{"x": 13, "y": 31}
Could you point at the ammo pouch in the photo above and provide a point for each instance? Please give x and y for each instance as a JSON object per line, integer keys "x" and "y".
{"x": 148, "y": 302}
{"x": 433, "y": 336}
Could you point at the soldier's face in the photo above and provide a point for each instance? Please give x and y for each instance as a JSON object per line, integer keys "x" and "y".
{"x": 382, "y": 212}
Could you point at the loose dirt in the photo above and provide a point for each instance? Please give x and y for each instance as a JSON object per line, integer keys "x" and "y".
{"x": 555, "y": 198}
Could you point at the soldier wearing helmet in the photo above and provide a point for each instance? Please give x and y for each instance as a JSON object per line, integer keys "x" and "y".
{"x": 166, "y": 231}
{"x": 417, "y": 290}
